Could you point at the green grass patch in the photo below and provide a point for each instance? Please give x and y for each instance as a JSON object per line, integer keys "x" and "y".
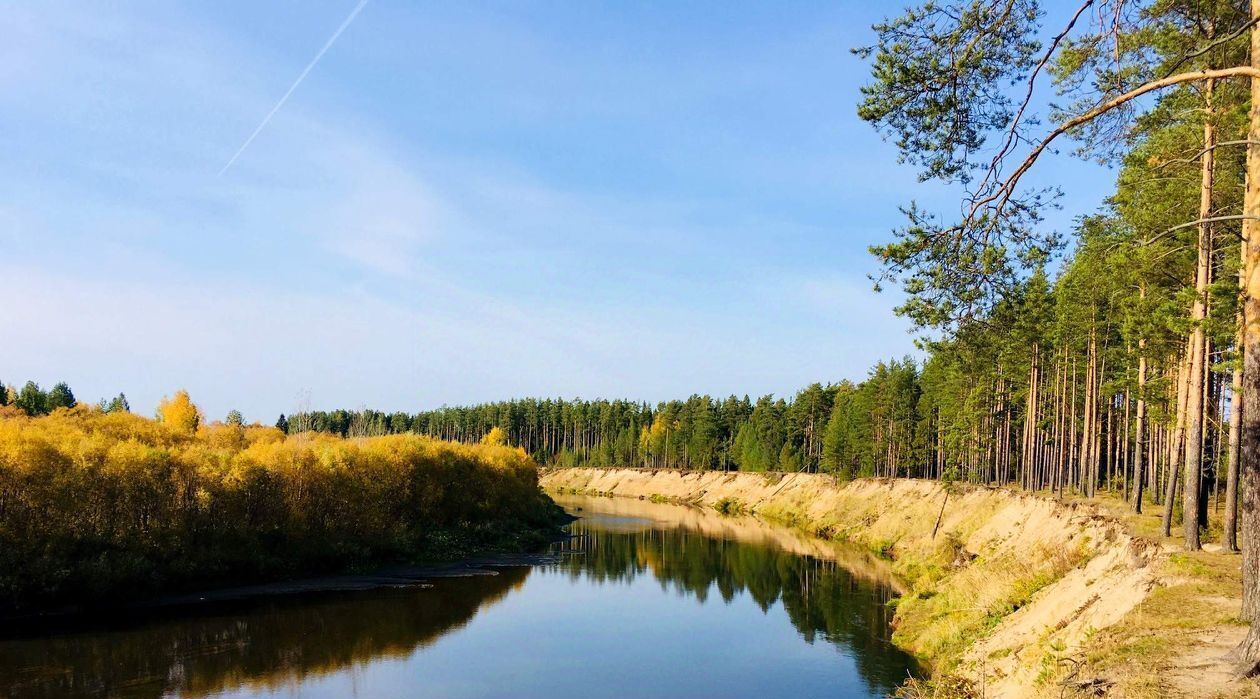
{"x": 730, "y": 506}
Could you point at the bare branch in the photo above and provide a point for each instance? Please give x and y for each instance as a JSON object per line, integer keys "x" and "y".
{"x": 1212, "y": 219}
{"x": 1203, "y": 152}
{"x": 1211, "y": 45}
{"x": 1004, "y": 191}
{"x": 1190, "y": 224}
{"x": 1012, "y": 132}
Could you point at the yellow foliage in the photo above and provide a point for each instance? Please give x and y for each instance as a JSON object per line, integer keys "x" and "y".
{"x": 95, "y": 503}
{"x": 179, "y": 413}
{"x": 495, "y": 437}
{"x": 653, "y": 439}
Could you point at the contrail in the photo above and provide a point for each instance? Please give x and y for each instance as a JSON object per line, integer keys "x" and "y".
{"x": 327, "y": 44}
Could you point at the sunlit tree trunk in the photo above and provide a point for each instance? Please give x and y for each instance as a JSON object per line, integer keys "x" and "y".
{"x": 1061, "y": 428}
{"x": 1193, "y": 466}
{"x": 1140, "y": 425}
{"x": 1099, "y": 445}
{"x": 1229, "y": 537}
{"x": 1085, "y": 456}
{"x": 1176, "y": 438}
{"x": 1249, "y": 481}
{"x": 1127, "y": 453}
{"x": 1070, "y": 474}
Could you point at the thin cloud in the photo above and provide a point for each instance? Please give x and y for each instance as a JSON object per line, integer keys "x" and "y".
{"x": 327, "y": 44}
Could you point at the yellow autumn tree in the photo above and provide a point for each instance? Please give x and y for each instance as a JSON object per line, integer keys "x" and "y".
{"x": 654, "y": 441}
{"x": 113, "y": 504}
{"x": 179, "y": 413}
{"x": 495, "y": 437}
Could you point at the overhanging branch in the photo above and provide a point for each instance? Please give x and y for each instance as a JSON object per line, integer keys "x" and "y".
{"x": 1201, "y": 153}
{"x": 1212, "y": 219}
{"x": 1196, "y": 222}
{"x": 999, "y": 198}
{"x": 1211, "y": 45}
{"x": 1012, "y": 132}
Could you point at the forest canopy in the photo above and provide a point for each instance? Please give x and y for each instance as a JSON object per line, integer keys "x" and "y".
{"x": 849, "y": 429}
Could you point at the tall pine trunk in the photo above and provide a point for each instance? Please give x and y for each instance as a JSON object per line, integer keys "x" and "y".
{"x": 1229, "y": 537}
{"x": 1193, "y": 468}
{"x": 1088, "y": 433}
{"x": 1140, "y": 426}
{"x": 1177, "y": 438}
{"x": 1248, "y": 653}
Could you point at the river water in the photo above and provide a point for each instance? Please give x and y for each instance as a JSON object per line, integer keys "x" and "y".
{"x": 645, "y": 600}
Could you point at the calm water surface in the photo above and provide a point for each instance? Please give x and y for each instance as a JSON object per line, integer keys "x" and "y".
{"x": 645, "y": 600}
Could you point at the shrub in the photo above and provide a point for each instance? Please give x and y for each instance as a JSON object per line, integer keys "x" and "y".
{"x": 96, "y": 505}
{"x": 730, "y": 506}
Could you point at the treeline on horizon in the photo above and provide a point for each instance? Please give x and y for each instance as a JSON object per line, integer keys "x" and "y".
{"x": 846, "y": 428}
{"x": 34, "y": 400}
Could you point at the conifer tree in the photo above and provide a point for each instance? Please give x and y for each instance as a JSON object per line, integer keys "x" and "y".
{"x": 32, "y": 400}
{"x": 118, "y": 404}
{"x": 60, "y": 397}
{"x": 953, "y": 77}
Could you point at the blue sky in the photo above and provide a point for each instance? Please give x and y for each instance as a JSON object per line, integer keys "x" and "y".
{"x": 462, "y": 201}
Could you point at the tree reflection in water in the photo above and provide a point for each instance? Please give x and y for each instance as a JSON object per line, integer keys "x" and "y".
{"x": 265, "y": 645}
{"x": 829, "y": 594}
{"x": 701, "y": 554}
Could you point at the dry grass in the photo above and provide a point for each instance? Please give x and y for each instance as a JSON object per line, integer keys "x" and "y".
{"x": 1174, "y": 642}
{"x": 939, "y": 687}
{"x": 954, "y": 601}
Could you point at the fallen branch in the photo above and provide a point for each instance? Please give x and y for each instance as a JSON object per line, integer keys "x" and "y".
{"x": 940, "y": 515}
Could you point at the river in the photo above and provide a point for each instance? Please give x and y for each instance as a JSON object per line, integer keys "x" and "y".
{"x": 645, "y": 600}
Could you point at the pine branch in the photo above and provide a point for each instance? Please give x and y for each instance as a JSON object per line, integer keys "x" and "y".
{"x": 1203, "y": 152}
{"x": 1211, "y": 45}
{"x": 1001, "y": 196}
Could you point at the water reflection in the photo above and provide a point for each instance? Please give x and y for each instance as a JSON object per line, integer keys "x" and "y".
{"x": 265, "y": 646}
{"x": 841, "y": 599}
{"x": 644, "y": 600}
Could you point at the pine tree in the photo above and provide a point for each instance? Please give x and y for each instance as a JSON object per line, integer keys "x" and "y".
{"x": 118, "y": 404}
{"x": 32, "y": 400}
{"x": 60, "y": 397}
{"x": 940, "y": 71}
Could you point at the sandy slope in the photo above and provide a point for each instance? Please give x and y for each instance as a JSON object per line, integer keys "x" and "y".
{"x": 1007, "y": 593}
